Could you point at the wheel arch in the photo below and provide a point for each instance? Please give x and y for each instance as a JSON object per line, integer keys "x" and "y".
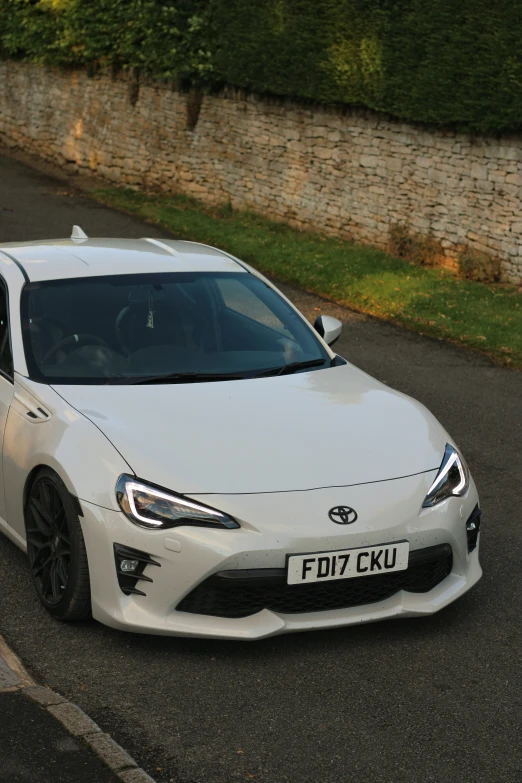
{"x": 32, "y": 475}
{"x": 30, "y": 481}
{"x": 72, "y": 447}
{"x": 55, "y": 545}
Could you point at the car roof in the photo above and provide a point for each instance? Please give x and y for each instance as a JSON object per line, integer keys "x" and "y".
{"x": 56, "y": 259}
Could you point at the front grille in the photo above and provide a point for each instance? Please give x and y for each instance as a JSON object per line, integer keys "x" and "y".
{"x": 243, "y": 593}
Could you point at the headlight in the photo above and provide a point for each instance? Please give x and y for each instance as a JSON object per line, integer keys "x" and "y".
{"x": 451, "y": 480}
{"x": 156, "y": 508}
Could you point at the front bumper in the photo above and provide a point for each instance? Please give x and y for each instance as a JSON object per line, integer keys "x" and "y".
{"x": 273, "y": 526}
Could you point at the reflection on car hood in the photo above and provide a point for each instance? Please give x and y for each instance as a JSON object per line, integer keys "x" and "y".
{"x": 332, "y": 427}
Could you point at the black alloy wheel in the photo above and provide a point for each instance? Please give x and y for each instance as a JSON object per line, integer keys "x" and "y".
{"x": 56, "y": 549}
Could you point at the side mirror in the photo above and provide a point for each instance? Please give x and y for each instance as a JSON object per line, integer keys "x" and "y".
{"x": 329, "y": 328}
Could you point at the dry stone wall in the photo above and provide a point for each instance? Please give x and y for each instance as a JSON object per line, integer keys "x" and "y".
{"x": 346, "y": 173}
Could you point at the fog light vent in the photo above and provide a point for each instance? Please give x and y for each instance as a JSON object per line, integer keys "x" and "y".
{"x": 473, "y": 528}
{"x": 130, "y": 565}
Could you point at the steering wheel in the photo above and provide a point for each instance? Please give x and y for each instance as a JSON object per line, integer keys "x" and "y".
{"x": 75, "y": 339}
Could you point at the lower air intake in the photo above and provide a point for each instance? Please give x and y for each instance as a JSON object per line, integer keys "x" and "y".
{"x": 243, "y": 593}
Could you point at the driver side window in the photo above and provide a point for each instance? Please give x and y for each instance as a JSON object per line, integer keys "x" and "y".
{"x": 6, "y": 359}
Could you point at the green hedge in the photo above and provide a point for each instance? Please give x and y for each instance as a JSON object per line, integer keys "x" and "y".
{"x": 166, "y": 39}
{"x": 448, "y": 62}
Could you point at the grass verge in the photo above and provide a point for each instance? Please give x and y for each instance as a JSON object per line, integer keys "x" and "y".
{"x": 430, "y": 301}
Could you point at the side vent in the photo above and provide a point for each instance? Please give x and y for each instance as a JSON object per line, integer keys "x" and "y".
{"x": 30, "y": 408}
{"x": 130, "y": 565}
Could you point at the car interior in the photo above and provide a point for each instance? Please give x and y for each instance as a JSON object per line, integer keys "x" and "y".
{"x": 124, "y": 326}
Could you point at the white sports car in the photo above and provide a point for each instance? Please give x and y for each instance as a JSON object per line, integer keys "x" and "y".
{"x": 184, "y": 454}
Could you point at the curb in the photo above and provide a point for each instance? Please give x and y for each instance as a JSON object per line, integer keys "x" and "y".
{"x": 14, "y": 677}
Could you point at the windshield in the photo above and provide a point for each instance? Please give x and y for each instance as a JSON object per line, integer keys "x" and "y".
{"x": 161, "y": 327}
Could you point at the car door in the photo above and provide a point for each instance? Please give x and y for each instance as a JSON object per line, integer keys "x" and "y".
{"x": 6, "y": 377}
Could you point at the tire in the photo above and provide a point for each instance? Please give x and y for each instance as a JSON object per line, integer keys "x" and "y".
{"x": 56, "y": 548}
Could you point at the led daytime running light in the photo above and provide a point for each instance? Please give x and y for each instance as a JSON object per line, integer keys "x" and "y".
{"x": 132, "y": 486}
{"x": 171, "y": 510}
{"x": 439, "y": 481}
{"x": 441, "y": 489}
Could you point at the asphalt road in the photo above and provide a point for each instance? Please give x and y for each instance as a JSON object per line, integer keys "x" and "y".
{"x": 35, "y": 748}
{"x": 432, "y": 699}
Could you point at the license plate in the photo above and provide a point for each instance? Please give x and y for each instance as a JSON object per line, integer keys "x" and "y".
{"x": 347, "y": 563}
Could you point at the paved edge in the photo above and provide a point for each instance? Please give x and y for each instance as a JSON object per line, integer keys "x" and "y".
{"x": 74, "y": 720}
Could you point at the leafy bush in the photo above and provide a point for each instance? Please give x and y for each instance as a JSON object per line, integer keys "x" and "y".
{"x": 169, "y": 39}
{"x": 420, "y": 249}
{"x": 475, "y": 265}
{"x": 443, "y": 62}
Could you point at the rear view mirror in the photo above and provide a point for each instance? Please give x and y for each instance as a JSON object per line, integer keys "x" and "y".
{"x": 329, "y": 328}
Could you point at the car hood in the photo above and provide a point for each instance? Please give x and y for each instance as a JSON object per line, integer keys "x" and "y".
{"x": 332, "y": 427}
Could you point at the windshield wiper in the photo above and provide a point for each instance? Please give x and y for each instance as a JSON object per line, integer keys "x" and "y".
{"x": 203, "y": 377}
{"x": 181, "y": 377}
{"x": 287, "y": 369}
